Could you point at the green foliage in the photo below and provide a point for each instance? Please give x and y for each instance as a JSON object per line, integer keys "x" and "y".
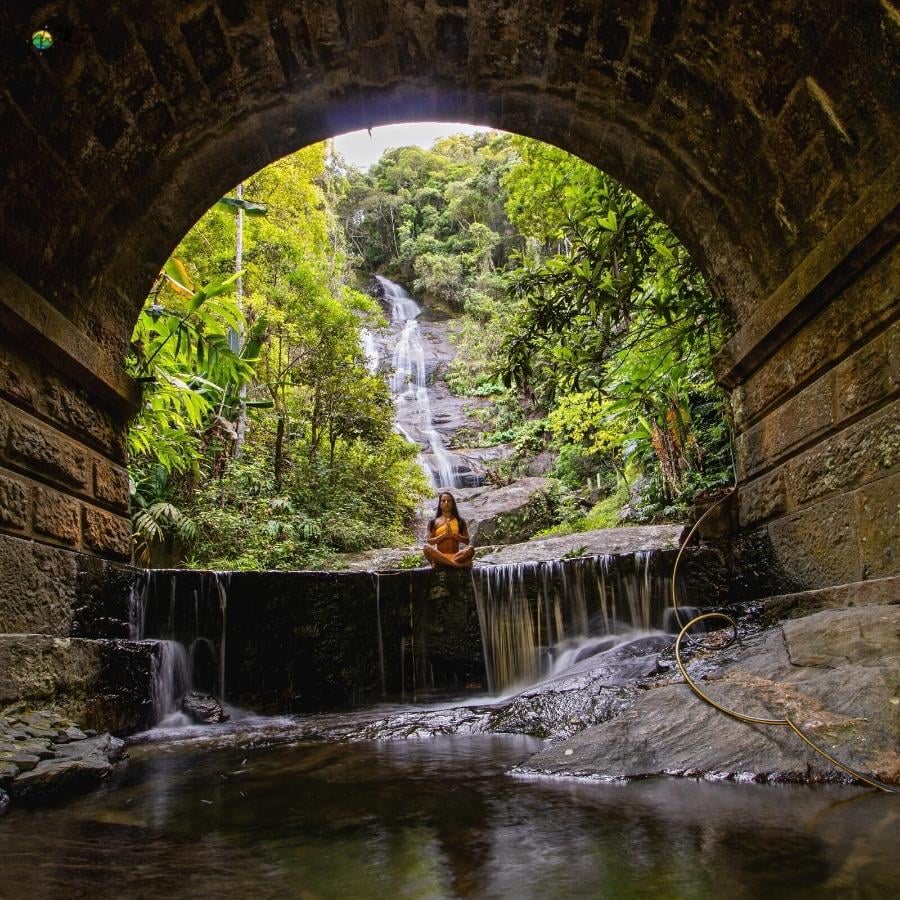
{"x": 432, "y": 218}
{"x": 579, "y": 306}
{"x": 577, "y": 315}
{"x": 613, "y": 328}
{"x": 319, "y": 470}
{"x": 603, "y": 514}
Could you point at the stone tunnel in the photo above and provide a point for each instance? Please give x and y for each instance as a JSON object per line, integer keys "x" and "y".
{"x": 766, "y": 135}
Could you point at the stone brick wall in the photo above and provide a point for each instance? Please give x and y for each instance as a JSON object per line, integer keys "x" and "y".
{"x": 63, "y": 483}
{"x": 62, "y": 462}
{"x": 818, "y": 423}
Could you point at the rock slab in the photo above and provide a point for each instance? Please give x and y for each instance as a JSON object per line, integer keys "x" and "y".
{"x": 836, "y": 673}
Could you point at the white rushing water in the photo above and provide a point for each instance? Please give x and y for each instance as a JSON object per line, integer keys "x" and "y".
{"x": 409, "y": 386}
{"x": 538, "y": 619}
{"x": 173, "y": 662}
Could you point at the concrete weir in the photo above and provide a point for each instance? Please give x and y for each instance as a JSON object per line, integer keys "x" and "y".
{"x": 287, "y": 642}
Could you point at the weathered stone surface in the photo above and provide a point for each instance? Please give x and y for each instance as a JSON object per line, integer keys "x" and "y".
{"x": 103, "y": 684}
{"x": 37, "y": 587}
{"x": 13, "y": 502}
{"x": 858, "y": 454}
{"x": 819, "y": 546}
{"x": 878, "y": 511}
{"x": 15, "y": 384}
{"x": 111, "y": 484}
{"x": 866, "y": 377}
{"x": 762, "y": 499}
{"x": 862, "y": 310}
{"x": 56, "y": 516}
{"x": 867, "y": 636}
{"x": 847, "y": 709}
{"x": 861, "y": 593}
{"x": 796, "y": 422}
{"x": 106, "y": 533}
{"x": 43, "y": 449}
{"x": 35, "y": 387}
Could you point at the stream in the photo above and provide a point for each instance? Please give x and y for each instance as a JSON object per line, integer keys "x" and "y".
{"x": 237, "y": 812}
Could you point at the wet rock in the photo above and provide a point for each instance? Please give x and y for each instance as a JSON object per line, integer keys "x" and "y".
{"x": 104, "y": 684}
{"x": 508, "y": 514}
{"x": 589, "y": 543}
{"x": 203, "y": 709}
{"x": 78, "y": 767}
{"x": 74, "y": 733}
{"x": 24, "y": 762}
{"x": 4, "y": 801}
{"x": 592, "y": 691}
{"x": 43, "y": 756}
{"x": 835, "y": 673}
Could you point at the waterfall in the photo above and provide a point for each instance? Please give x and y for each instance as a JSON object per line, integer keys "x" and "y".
{"x": 409, "y": 387}
{"x": 171, "y": 669}
{"x": 536, "y": 617}
{"x": 220, "y": 579}
{"x": 137, "y": 607}
{"x": 171, "y": 680}
{"x": 377, "y": 580}
{"x": 182, "y": 627}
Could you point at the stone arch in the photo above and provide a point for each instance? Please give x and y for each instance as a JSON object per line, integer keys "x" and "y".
{"x": 765, "y": 135}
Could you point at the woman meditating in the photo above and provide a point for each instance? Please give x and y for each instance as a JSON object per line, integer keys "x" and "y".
{"x": 446, "y": 531}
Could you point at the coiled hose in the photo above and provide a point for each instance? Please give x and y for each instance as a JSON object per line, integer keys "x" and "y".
{"x": 741, "y": 717}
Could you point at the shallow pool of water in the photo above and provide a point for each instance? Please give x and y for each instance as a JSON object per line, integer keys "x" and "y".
{"x": 234, "y": 816}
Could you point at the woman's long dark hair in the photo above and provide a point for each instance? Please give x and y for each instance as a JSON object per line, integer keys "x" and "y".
{"x": 454, "y": 513}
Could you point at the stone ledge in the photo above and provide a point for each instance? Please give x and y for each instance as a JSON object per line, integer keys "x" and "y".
{"x": 38, "y": 326}
{"x": 864, "y": 311}
{"x": 878, "y": 591}
{"x": 103, "y": 684}
{"x": 853, "y": 389}
{"x": 869, "y": 228}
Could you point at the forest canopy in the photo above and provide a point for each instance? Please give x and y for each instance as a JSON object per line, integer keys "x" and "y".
{"x": 265, "y": 442}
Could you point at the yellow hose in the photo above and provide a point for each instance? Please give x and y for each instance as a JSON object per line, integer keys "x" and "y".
{"x": 741, "y": 717}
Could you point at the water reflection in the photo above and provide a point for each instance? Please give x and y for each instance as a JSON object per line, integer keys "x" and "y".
{"x": 432, "y": 819}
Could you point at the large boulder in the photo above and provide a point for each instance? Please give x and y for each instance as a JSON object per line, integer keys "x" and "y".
{"x": 835, "y": 673}
{"x": 508, "y": 514}
{"x": 603, "y": 541}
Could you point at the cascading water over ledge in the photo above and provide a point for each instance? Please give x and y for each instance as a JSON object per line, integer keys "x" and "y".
{"x": 281, "y": 642}
{"x": 536, "y": 617}
{"x": 188, "y": 638}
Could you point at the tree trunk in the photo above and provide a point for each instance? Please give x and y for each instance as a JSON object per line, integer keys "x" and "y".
{"x": 332, "y": 440}
{"x": 235, "y": 339}
{"x": 279, "y": 451}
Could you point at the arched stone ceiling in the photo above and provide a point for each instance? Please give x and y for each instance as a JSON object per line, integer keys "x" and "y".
{"x": 751, "y": 127}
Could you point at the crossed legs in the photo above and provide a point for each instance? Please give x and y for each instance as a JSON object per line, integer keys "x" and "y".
{"x": 460, "y": 560}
